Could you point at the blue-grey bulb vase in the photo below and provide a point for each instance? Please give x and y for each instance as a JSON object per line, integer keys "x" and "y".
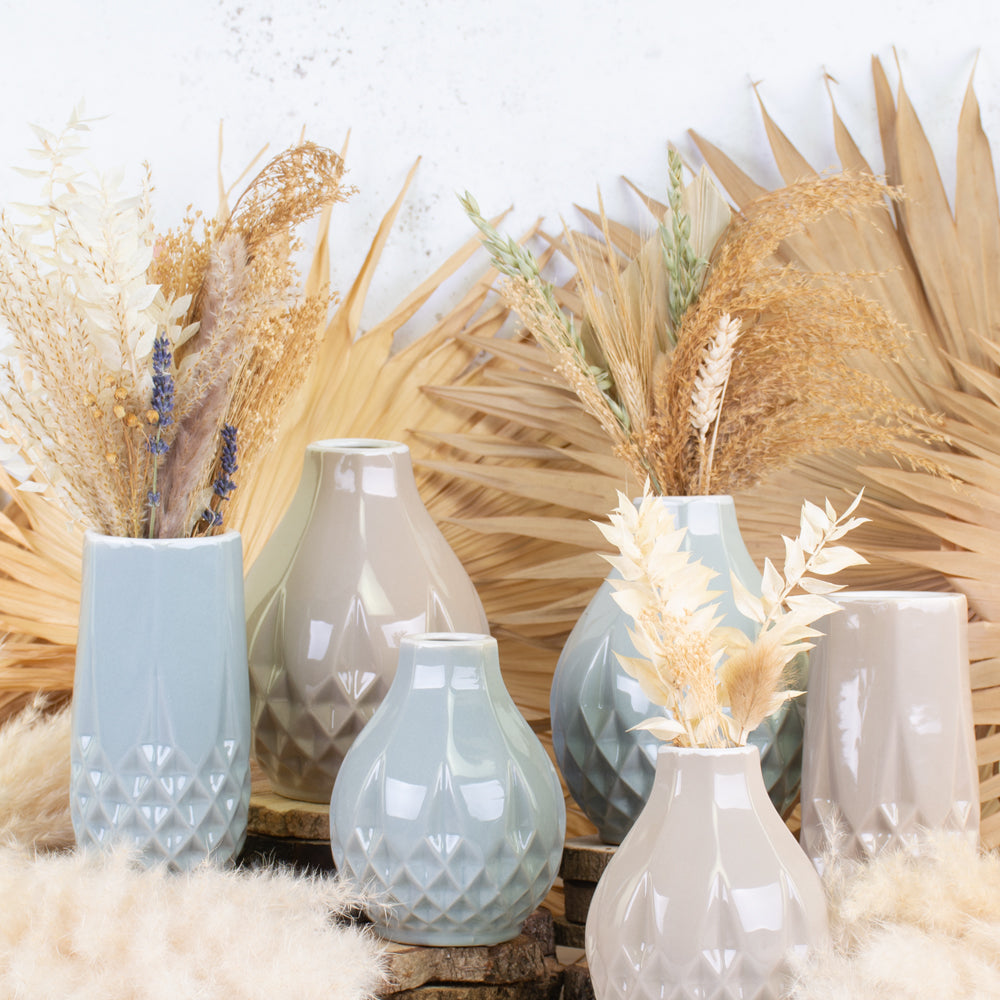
{"x": 608, "y": 767}
{"x": 447, "y": 808}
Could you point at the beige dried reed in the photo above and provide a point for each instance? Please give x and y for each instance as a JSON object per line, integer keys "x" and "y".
{"x": 794, "y": 387}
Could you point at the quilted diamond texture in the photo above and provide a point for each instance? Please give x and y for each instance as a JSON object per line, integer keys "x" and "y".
{"x": 159, "y": 800}
{"x": 479, "y": 885}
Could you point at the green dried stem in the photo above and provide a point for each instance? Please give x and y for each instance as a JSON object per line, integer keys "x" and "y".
{"x": 684, "y": 267}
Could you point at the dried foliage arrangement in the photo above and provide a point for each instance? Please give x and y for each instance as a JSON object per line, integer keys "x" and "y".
{"x": 134, "y": 360}
{"x": 932, "y": 270}
{"x": 717, "y": 684}
{"x": 748, "y": 366}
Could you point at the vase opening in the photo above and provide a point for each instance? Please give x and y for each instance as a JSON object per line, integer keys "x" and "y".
{"x": 454, "y": 637}
{"x": 360, "y": 445}
{"x": 914, "y": 597}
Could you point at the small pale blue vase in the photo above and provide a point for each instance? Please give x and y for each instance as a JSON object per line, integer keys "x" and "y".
{"x": 609, "y": 767}
{"x": 160, "y": 755}
{"x": 447, "y": 808}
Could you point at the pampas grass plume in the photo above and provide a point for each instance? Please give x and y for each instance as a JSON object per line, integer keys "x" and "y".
{"x": 910, "y": 925}
{"x": 91, "y": 927}
{"x": 34, "y": 779}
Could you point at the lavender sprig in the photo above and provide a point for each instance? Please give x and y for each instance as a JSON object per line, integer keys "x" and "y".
{"x": 161, "y": 413}
{"x": 224, "y": 483}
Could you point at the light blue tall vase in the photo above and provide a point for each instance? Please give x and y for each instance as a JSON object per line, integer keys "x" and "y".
{"x": 446, "y": 807}
{"x": 160, "y": 754}
{"x": 608, "y": 767}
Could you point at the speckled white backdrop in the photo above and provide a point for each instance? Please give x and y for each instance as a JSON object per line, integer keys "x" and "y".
{"x": 530, "y": 104}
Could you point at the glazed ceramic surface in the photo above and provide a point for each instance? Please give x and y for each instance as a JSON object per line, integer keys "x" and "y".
{"x": 447, "y": 807}
{"x": 609, "y": 768}
{"x": 161, "y": 707}
{"x": 890, "y": 743}
{"x": 709, "y": 892}
{"x": 355, "y": 564}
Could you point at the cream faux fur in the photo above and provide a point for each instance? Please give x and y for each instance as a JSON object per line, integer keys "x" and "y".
{"x": 911, "y": 927}
{"x": 79, "y": 927}
{"x": 98, "y": 927}
{"x": 34, "y": 779}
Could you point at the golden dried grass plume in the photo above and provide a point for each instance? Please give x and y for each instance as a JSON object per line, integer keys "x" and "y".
{"x": 793, "y": 386}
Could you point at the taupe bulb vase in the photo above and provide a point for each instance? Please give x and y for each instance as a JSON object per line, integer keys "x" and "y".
{"x": 355, "y": 564}
{"x": 890, "y": 742}
{"x": 709, "y": 894}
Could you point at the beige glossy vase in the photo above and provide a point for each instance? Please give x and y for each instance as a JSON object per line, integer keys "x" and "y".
{"x": 355, "y": 564}
{"x": 890, "y": 745}
{"x": 708, "y": 894}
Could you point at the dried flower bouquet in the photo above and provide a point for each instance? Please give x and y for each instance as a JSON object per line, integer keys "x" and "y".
{"x": 134, "y": 360}
{"x": 717, "y": 684}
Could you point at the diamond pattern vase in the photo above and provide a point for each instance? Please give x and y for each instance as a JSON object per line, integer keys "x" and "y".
{"x": 355, "y": 564}
{"x": 160, "y": 753}
{"x": 447, "y": 808}
{"x": 608, "y": 767}
{"x": 708, "y": 894}
{"x": 890, "y": 742}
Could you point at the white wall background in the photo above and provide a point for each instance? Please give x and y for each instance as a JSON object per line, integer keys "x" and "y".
{"x": 530, "y": 104}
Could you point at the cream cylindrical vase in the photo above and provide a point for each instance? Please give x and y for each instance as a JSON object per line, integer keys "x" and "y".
{"x": 709, "y": 894}
{"x": 355, "y": 564}
{"x": 890, "y": 744}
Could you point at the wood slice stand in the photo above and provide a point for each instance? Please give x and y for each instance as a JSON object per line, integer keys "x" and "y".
{"x": 583, "y": 862}
{"x": 286, "y": 831}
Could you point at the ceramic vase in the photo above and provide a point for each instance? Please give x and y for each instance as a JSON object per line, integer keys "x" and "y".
{"x": 355, "y": 564}
{"x": 447, "y": 808}
{"x": 608, "y": 767}
{"x": 708, "y": 894}
{"x": 890, "y": 743}
{"x": 160, "y": 753}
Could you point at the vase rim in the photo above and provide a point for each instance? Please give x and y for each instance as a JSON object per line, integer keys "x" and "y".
{"x": 743, "y": 748}
{"x": 93, "y": 536}
{"x": 893, "y": 596}
{"x": 358, "y": 446}
{"x": 446, "y": 638}
{"x": 703, "y": 497}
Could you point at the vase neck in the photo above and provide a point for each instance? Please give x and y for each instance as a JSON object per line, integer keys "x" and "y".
{"x": 705, "y": 780}
{"x": 363, "y": 468}
{"x": 705, "y": 515}
{"x": 712, "y": 536}
{"x": 464, "y": 663}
